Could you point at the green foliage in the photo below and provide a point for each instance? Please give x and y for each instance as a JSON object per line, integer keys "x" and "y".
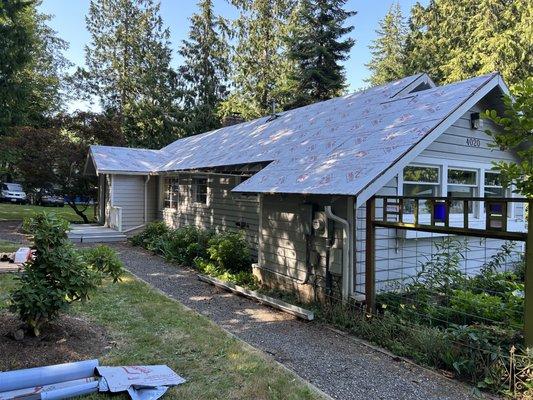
{"x": 388, "y": 49}
{"x": 258, "y": 62}
{"x": 150, "y": 234}
{"x": 453, "y": 40}
{"x": 104, "y": 260}
{"x": 225, "y": 256}
{"x": 230, "y": 252}
{"x": 516, "y": 135}
{"x": 56, "y": 276}
{"x": 205, "y": 68}
{"x": 32, "y": 65}
{"x": 317, "y": 46}
{"x": 128, "y": 70}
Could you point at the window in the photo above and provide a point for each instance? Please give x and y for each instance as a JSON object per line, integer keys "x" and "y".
{"x": 172, "y": 193}
{"x": 461, "y": 183}
{"x": 199, "y": 190}
{"x": 421, "y": 182}
{"x": 493, "y": 185}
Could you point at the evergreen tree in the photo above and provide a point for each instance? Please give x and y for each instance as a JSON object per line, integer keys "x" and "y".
{"x": 32, "y": 65}
{"x": 128, "y": 70}
{"x": 259, "y": 67}
{"x": 457, "y": 39}
{"x": 205, "y": 70}
{"x": 388, "y": 49}
{"x": 317, "y": 47}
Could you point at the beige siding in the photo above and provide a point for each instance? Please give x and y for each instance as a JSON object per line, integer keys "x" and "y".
{"x": 285, "y": 226}
{"x": 127, "y": 192}
{"x": 225, "y": 210}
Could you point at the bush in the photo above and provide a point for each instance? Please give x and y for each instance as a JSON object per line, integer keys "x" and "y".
{"x": 229, "y": 252}
{"x": 104, "y": 260}
{"x": 183, "y": 245}
{"x": 150, "y": 236}
{"x": 55, "y": 277}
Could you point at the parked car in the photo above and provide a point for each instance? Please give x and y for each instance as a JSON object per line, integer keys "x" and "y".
{"x": 12, "y": 193}
{"x": 50, "y": 199}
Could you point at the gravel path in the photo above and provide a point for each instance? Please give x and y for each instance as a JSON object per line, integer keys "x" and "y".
{"x": 337, "y": 364}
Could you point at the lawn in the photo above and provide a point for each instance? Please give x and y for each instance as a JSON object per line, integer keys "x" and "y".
{"x": 150, "y": 328}
{"x": 8, "y": 247}
{"x": 10, "y": 212}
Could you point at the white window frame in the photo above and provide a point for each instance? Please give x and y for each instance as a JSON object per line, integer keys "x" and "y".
{"x": 194, "y": 191}
{"x": 438, "y": 184}
{"x": 166, "y": 191}
{"x": 444, "y": 165}
{"x": 477, "y": 190}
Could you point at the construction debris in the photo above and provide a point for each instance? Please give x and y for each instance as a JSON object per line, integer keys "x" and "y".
{"x": 63, "y": 381}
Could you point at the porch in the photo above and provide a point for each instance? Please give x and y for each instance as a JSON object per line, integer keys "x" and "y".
{"x": 94, "y": 233}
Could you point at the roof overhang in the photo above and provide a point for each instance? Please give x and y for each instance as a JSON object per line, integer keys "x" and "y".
{"x": 495, "y": 81}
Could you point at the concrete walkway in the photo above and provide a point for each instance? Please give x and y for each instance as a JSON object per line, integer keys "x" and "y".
{"x": 337, "y": 364}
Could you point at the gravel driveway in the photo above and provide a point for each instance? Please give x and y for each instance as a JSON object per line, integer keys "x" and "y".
{"x": 337, "y": 364}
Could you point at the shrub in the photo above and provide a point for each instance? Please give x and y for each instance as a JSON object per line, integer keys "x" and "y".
{"x": 55, "y": 277}
{"x": 183, "y": 245}
{"x": 150, "y": 235}
{"x": 230, "y": 252}
{"x": 104, "y": 260}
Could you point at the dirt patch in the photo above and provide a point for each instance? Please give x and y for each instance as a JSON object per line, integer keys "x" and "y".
{"x": 66, "y": 339}
{"x": 11, "y": 231}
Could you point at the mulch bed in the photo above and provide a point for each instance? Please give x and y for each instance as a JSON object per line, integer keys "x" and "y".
{"x": 66, "y": 339}
{"x": 11, "y": 232}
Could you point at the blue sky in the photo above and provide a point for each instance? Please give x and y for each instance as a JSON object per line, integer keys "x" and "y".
{"x": 69, "y": 21}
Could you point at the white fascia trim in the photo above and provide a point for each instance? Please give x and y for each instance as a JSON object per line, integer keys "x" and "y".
{"x": 113, "y": 172}
{"x": 372, "y": 188}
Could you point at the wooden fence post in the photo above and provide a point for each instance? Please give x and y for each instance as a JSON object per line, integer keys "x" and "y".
{"x": 370, "y": 256}
{"x": 528, "y": 289}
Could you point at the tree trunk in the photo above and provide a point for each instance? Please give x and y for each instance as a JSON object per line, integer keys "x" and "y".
{"x": 79, "y": 212}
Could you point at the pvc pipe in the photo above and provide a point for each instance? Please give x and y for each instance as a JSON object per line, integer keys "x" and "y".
{"x": 346, "y": 238}
{"x": 37, "y": 390}
{"x": 72, "y": 391}
{"x": 146, "y": 180}
{"x": 41, "y": 376}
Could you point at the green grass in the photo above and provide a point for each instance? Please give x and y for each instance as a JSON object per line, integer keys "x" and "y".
{"x": 17, "y": 212}
{"x": 150, "y": 328}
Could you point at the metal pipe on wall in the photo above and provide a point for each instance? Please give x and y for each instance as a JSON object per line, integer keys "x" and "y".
{"x": 346, "y": 238}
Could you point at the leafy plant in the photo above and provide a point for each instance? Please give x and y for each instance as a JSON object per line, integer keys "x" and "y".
{"x": 104, "y": 260}
{"x": 57, "y": 275}
{"x": 150, "y": 234}
{"x": 230, "y": 252}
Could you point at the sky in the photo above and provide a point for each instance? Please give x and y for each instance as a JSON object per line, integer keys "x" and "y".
{"x": 68, "y": 19}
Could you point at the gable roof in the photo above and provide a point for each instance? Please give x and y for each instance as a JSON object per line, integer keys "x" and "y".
{"x": 339, "y": 146}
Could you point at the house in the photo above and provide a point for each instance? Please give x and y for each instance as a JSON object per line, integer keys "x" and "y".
{"x": 296, "y": 183}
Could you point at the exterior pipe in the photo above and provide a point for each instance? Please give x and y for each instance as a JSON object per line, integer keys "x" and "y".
{"x": 346, "y": 238}
{"x": 146, "y": 180}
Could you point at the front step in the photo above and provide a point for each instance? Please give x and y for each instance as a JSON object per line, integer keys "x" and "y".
{"x": 94, "y": 234}
{"x": 97, "y": 238}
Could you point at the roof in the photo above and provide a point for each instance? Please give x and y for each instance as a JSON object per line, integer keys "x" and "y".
{"x": 338, "y": 146}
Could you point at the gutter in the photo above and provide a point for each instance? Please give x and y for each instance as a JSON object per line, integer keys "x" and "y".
{"x": 146, "y": 180}
{"x": 346, "y": 239}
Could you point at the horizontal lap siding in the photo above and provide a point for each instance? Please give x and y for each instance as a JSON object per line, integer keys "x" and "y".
{"x": 283, "y": 242}
{"x": 398, "y": 258}
{"x": 223, "y": 211}
{"x": 128, "y": 193}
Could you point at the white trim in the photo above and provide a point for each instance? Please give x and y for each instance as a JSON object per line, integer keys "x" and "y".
{"x": 373, "y": 187}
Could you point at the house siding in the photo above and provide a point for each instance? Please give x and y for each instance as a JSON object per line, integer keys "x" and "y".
{"x": 286, "y": 222}
{"x": 225, "y": 210}
{"x": 128, "y": 193}
{"x": 399, "y": 254}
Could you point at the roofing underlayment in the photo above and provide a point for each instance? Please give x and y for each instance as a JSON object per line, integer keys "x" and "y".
{"x": 337, "y": 146}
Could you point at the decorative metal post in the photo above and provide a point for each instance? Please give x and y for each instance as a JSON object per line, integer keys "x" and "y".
{"x": 528, "y": 292}
{"x": 370, "y": 255}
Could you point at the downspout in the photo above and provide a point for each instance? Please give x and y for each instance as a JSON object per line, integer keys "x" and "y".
{"x": 346, "y": 238}
{"x": 146, "y": 180}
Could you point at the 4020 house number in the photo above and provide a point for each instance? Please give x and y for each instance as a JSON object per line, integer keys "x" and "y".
{"x": 473, "y": 142}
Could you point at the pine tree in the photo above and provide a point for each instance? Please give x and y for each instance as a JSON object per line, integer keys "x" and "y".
{"x": 205, "y": 69}
{"x": 32, "y": 66}
{"x": 388, "y": 49}
{"x": 458, "y": 39}
{"x": 317, "y": 47}
{"x": 259, "y": 67}
{"x": 128, "y": 70}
